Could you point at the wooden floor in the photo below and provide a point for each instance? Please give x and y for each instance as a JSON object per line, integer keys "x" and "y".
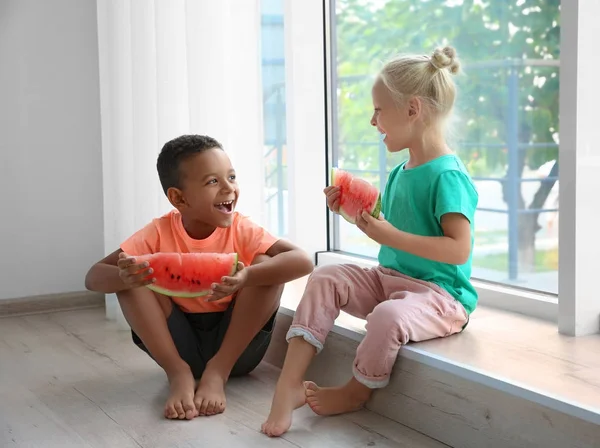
{"x": 71, "y": 379}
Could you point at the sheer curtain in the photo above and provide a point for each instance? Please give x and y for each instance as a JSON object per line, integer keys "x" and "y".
{"x": 169, "y": 67}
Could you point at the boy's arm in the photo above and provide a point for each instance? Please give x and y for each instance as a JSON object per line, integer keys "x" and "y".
{"x": 117, "y": 272}
{"x": 104, "y": 275}
{"x": 286, "y": 263}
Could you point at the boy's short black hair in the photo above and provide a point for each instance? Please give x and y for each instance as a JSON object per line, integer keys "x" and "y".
{"x": 176, "y": 151}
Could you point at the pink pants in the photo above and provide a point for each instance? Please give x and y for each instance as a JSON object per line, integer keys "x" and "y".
{"x": 398, "y": 309}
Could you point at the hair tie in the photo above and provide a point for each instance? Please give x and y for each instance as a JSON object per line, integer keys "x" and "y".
{"x": 437, "y": 67}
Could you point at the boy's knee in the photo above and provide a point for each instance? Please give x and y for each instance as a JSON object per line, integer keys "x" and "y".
{"x": 261, "y": 258}
{"x": 143, "y": 295}
{"x": 127, "y": 294}
{"x": 272, "y": 291}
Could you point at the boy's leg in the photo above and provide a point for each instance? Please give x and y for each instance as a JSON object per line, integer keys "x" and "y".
{"x": 147, "y": 313}
{"x": 256, "y": 350}
{"x": 329, "y": 290}
{"x": 416, "y": 311}
{"x": 254, "y": 306}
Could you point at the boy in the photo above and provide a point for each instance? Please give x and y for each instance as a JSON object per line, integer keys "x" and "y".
{"x": 208, "y": 339}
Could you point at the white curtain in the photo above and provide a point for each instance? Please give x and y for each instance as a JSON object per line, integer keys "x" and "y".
{"x": 170, "y": 67}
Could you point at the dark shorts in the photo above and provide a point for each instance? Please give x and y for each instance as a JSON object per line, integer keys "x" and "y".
{"x": 198, "y": 337}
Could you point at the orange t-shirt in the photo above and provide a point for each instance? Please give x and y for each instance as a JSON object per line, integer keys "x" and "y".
{"x": 166, "y": 234}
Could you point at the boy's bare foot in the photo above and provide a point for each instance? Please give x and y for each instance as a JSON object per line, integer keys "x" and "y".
{"x": 336, "y": 400}
{"x": 180, "y": 403}
{"x": 287, "y": 398}
{"x": 210, "y": 395}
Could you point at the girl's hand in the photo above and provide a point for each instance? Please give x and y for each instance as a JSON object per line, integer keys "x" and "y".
{"x": 333, "y": 198}
{"x": 229, "y": 285}
{"x": 378, "y": 229}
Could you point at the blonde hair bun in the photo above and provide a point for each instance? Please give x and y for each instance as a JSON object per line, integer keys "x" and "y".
{"x": 426, "y": 77}
{"x": 445, "y": 58}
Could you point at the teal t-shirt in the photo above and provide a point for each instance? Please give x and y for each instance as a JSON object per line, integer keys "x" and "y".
{"x": 414, "y": 201}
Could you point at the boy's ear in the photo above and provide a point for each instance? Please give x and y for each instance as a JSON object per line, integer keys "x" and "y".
{"x": 175, "y": 196}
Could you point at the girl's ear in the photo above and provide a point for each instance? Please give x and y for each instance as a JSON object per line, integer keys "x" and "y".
{"x": 414, "y": 108}
{"x": 175, "y": 196}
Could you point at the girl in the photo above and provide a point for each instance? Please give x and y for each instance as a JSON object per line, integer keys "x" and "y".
{"x": 421, "y": 288}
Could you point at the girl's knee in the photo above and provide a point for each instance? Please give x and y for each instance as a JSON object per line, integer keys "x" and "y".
{"x": 389, "y": 318}
{"x": 386, "y": 311}
{"x": 323, "y": 278}
{"x": 328, "y": 273}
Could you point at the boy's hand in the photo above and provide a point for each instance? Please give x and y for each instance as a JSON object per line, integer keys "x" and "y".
{"x": 133, "y": 275}
{"x": 333, "y": 198}
{"x": 229, "y": 285}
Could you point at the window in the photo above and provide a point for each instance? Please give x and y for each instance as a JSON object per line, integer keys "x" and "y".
{"x": 274, "y": 116}
{"x": 507, "y": 126}
{"x": 314, "y": 72}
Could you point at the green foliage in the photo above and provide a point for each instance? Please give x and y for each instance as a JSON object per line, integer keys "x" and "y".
{"x": 544, "y": 261}
{"x": 494, "y": 39}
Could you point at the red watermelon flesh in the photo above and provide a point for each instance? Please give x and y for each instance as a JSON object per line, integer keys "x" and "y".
{"x": 188, "y": 275}
{"x": 356, "y": 195}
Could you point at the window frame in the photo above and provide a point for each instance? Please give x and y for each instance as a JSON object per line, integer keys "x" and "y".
{"x": 577, "y": 312}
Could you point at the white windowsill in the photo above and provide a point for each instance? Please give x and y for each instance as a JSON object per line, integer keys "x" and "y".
{"x": 532, "y": 304}
{"x": 525, "y": 353}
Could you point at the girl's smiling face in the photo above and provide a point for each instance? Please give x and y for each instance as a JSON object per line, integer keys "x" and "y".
{"x": 395, "y": 121}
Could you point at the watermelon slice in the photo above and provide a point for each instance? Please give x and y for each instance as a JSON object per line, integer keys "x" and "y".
{"x": 188, "y": 275}
{"x": 357, "y": 195}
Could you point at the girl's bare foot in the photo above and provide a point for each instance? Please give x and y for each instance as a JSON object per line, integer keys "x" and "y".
{"x": 180, "y": 403}
{"x": 288, "y": 397}
{"x": 336, "y": 400}
{"x": 210, "y": 395}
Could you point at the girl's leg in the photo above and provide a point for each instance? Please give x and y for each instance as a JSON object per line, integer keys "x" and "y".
{"x": 416, "y": 312}
{"x": 329, "y": 290}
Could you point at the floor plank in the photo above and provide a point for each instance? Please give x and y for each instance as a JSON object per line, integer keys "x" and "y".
{"x": 72, "y": 379}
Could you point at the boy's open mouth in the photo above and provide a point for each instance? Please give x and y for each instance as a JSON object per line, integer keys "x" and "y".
{"x": 225, "y": 207}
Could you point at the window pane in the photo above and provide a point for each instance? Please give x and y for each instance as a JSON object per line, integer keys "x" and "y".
{"x": 506, "y": 130}
{"x": 273, "y": 79}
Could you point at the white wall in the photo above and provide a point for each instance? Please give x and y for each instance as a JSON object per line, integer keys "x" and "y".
{"x": 51, "y": 221}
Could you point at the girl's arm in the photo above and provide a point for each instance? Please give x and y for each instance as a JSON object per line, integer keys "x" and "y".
{"x": 452, "y": 248}
{"x": 455, "y": 199}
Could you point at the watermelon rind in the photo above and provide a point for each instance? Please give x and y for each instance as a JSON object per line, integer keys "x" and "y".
{"x": 351, "y": 220}
{"x": 190, "y": 295}
{"x": 168, "y": 293}
{"x": 234, "y": 267}
{"x": 377, "y": 210}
